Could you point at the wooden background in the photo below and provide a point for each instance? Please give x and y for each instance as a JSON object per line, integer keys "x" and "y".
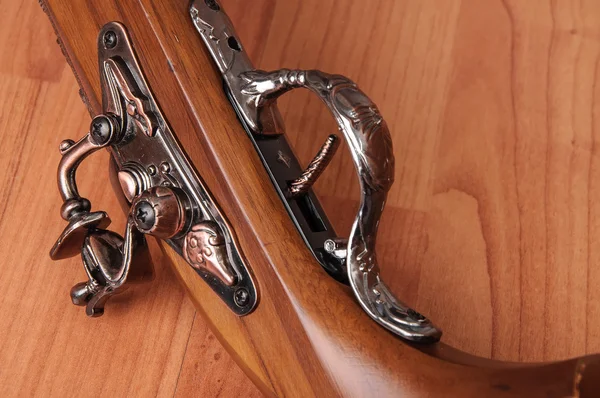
{"x": 491, "y": 229}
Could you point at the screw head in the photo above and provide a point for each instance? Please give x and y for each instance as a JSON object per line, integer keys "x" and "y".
{"x": 101, "y": 130}
{"x": 329, "y": 246}
{"x": 144, "y": 216}
{"x": 110, "y": 39}
{"x": 241, "y": 297}
{"x": 161, "y": 212}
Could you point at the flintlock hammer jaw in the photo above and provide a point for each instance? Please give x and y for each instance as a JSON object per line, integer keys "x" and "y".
{"x": 253, "y": 94}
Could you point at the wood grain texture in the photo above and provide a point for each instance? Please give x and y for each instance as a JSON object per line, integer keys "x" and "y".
{"x": 491, "y": 227}
{"x": 49, "y": 347}
{"x": 295, "y": 343}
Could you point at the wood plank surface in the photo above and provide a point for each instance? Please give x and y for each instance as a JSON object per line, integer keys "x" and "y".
{"x": 491, "y": 228}
{"x": 49, "y": 347}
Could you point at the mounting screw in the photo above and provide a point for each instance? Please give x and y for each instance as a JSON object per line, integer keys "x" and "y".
{"x": 144, "y": 216}
{"x": 241, "y": 297}
{"x": 161, "y": 212}
{"x": 110, "y": 39}
{"x": 337, "y": 247}
{"x": 330, "y": 246}
{"x": 101, "y": 129}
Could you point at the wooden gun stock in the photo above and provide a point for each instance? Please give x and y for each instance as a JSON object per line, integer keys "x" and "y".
{"x": 307, "y": 337}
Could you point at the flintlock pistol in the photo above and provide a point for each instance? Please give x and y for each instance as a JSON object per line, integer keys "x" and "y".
{"x": 201, "y": 161}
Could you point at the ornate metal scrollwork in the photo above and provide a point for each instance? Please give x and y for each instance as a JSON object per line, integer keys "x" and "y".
{"x": 253, "y": 93}
{"x": 204, "y": 248}
{"x": 168, "y": 198}
{"x": 368, "y": 137}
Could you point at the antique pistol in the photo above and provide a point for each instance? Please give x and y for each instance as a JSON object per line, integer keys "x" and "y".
{"x": 201, "y": 162}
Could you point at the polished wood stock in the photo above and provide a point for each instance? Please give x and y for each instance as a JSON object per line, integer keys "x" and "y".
{"x": 308, "y": 336}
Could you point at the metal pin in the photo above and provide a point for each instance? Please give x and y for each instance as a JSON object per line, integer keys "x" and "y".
{"x": 337, "y": 247}
{"x": 313, "y": 171}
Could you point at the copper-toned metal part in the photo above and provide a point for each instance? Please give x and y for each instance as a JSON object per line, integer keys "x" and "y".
{"x": 133, "y": 105}
{"x": 313, "y": 171}
{"x": 204, "y": 249}
{"x": 160, "y": 211}
{"x": 128, "y": 184}
{"x": 134, "y": 179}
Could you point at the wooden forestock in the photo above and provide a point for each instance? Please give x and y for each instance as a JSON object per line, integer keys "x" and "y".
{"x": 307, "y": 336}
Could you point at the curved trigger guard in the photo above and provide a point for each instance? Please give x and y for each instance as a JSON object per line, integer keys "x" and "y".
{"x": 370, "y": 143}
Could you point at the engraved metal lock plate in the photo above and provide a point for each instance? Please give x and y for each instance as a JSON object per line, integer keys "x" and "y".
{"x": 168, "y": 198}
{"x": 253, "y": 94}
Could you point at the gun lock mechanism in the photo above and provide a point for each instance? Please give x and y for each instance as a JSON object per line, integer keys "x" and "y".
{"x": 167, "y": 198}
